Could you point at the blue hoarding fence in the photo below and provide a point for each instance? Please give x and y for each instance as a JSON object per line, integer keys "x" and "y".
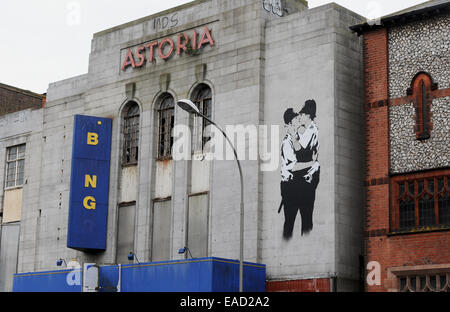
{"x": 50, "y": 281}
{"x": 196, "y": 275}
{"x": 89, "y": 183}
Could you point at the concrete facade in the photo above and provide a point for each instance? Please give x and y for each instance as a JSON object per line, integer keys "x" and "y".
{"x": 259, "y": 65}
{"x": 23, "y": 127}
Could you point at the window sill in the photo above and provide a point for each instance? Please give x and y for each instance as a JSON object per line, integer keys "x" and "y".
{"x": 130, "y": 165}
{"x": 166, "y": 158}
{"x": 419, "y": 230}
{"x": 12, "y": 188}
{"x": 162, "y": 199}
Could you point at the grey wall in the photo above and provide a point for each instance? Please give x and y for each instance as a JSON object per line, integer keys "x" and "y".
{"x": 349, "y": 151}
{"x": 300, "y": 66}
{"x": 313, "y": 55}
{"x": 259, "y": 66}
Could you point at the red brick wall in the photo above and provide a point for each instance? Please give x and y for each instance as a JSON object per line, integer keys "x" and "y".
{"x": 310, "y": 285}
{"x": 377, "y": 136}
{"x": 399, "y": 250}
{"x": 14, "y": 100}
{"x": 376, "y": 65}
{"x": 407, "y": 250}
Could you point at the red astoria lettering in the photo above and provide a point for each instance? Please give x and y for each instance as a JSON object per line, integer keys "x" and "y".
{"x": 194, "y": 41}
{"x": 141, "y": 56}
{"x": 151, "y": 47}
{"x": 129, "y": 60}
{"x": 161, "y": 48}
{"x": 206, "y": 38}
{"x": 182, "y": 45}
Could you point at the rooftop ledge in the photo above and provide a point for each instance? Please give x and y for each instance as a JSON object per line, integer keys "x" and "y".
{"x": 147, "y": 18}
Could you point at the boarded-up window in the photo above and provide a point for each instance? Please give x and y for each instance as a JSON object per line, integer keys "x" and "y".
{"x": 128, "y": 184}
{"x": 125, "y": 233}
{"x": 198, "y": 225}
{"x": 12, "y": 205}
{"x": 15, "y": 166}
{"x": 8, "y": 255}
{"x": 14, "y": 180}
{"x": 161, "y": 230}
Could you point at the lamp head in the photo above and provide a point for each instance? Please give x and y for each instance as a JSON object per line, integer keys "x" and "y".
{"x": 188, "y": 106}
{"x": 131, "y": 256}
{"x": 59, "y": 262}
{"x": 182, "y": 251}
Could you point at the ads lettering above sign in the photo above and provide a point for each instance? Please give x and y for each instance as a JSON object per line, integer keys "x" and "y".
{"x": 89, "y": 183}
{"x": 163, "y": 49}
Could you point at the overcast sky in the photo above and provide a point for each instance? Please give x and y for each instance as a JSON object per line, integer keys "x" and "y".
{"x": 44, "y": 41}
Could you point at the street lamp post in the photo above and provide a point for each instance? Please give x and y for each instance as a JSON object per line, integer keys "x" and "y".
{"x": 191, "y": 108}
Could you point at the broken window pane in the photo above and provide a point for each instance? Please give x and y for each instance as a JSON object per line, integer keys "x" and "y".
{"x": 131, "y": 134}
{"x": 166, "y": 124}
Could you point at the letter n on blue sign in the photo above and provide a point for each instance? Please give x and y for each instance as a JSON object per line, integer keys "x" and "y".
{"x": 89, "y": 183}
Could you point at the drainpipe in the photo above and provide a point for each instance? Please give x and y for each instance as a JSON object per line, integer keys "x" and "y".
{"x": 333, "y": 283}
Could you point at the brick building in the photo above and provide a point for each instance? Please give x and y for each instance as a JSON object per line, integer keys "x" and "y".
{"x": 14, "y": 99}
{"x": 407, "y": 174}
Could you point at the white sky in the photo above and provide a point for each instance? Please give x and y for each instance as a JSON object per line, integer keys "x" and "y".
{"x": 44, "y": 41}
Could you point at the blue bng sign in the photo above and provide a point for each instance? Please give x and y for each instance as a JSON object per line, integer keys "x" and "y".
{"x": 89, "y": 183}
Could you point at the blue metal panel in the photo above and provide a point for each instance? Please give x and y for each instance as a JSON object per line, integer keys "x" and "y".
{"x": 196, "y": 275}
{"x": 172, "y": 276}
{"x": 109, "y": 278}
{"x": 51, "y": 281}
{"x": 90, "y": 157}
{"x": 88, "y": 124}
{"x": 100, "y": 169}
{"x": 226, "y": 276}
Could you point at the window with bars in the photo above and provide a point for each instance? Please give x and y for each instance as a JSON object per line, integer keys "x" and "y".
{"x": 202, "y": 97}
{"x": 15, "y": 166}
{"x": 130, "y": 130}
{"x": 421, "y": 200}
{"x": 166, "y": 123}
{"x": 431, "y": 282}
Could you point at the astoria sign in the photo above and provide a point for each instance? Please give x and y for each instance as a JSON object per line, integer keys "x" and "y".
{"x": 165, "y": 48}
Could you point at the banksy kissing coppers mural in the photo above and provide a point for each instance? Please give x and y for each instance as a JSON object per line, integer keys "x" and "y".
{"x": 300, "y": 168}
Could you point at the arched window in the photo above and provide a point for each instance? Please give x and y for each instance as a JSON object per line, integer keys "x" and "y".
{"x": 131, "y": 116}
{"x": 166, "y": 123}
{"x": 202, "y": 97}
{"x": 421, "y": 90}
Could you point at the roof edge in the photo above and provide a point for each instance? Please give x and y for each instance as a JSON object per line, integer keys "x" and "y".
{"x": 403, "y": 18}
{"x": 22, "y": 91}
